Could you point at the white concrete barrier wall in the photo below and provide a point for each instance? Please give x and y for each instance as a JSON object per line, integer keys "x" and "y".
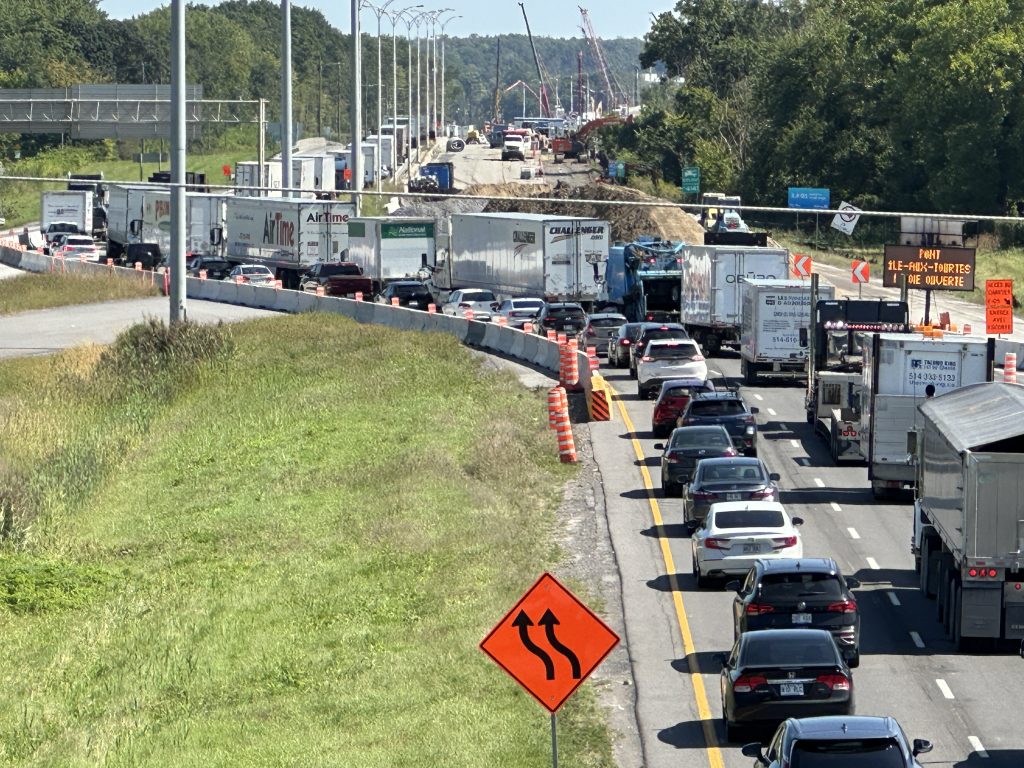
{"x": 528, "y": 347}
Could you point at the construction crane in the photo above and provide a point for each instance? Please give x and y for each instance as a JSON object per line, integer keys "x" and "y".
{"x": 525, "y": 87}
{"x": 612, "y": 93}
{"x": 545, "y": 108}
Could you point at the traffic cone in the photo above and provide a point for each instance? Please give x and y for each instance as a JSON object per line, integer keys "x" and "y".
{"x": 359, "y": 295}
{"x": 320, "y": 291}
{"x": 552, "y": 336}
{"x": 1010, "y": 368}
{"x": 527, "y": 327}
{"x": 566, "y": 445}
{"x": 555, "y": 396}
{"x": 470, "y": 314}
{"x": 592, "y": 356}
{"x": 431, "y": 309}
{"x": 501, "y": 320}
{"x": 395, "y": 302}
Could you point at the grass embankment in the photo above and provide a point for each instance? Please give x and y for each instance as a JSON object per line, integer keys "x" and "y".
{"x": 278, "y": 544}
{"x": 43, "y": 291}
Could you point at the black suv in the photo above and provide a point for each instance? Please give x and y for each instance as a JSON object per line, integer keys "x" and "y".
{"x": 561, "y": 316}
{"x": 790, "y": 593}
{"x": 653, "y": 331}
{"x": 216, "y": 269}
{"x": 728, "y": 409}
{"x": 410, "y": 293}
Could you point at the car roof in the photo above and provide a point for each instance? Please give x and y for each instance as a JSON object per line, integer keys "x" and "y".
{"x": 844, "y": 727}
{"x": 741, "y": 461}
{"x": 671, "y": 343}
{"x": 744, "y": 506}
{"x": 405, "y": 282}
{"x": 570, "y": 304}
{"x": 664, "y": 326}
{"x": 692, "y": 381}
{"x": 798, "y": 564}
{"x": 702, "y": 428}
{"x": 782, "y": 635}
{"x": 606, "y": 315}
{"x": 718, "y": 394}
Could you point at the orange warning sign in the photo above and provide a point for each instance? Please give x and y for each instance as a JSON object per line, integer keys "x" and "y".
{"x": 861, "y": 271}
{"x": 802, "y": 265}
{"x": 998, "y": 306}
{"x": 549, "y": 642}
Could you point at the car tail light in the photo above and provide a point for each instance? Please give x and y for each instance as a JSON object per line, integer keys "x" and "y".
{"x": 702, "y": 495}
{"x": 784, "y": 542}
{"x": 749, "y": 419}
{"x": 591, "y": 332}
{"x": 713, "y": 543}
{"x": 697, "y": 358}
{"x": 646, "y": 359}
{"x": 843, "y": 606}
{"x": 729, "y": 452}
{"x": 748, "y": 683}
{"x": 764, "y": 493}
{"x": 625, "y": 342}
{"x": 835, "y": 682}
{"x": 671, "y": 458}
{"x": 759, "y": 609}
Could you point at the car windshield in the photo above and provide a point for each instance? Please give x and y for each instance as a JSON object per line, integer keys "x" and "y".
{"x": 716, "y": 407}
{"x": 527, "y": 304}
{"x": 477, "y": 296}
{"x": 213, "y": 265}
{"x": 848, "y": 753}
{"x": 607, "y": 322}
{"x": 407, "y": 290}
{"x": 683, "y": 391}
{"x": 340, "y": 269}
{"x": 750, "y": 518}
{"x": 565, "y": 311}
{"x": 672, "y": 352}
{"x": 787, "y": 586}
{"x": 702, "y": 438}
{"x": 79, "y": 241}
{"x": 665, "y": 333}
{"x": 731, "y": 473}
{"x": 812, "y": 650}
{"x": 255, "y": 271}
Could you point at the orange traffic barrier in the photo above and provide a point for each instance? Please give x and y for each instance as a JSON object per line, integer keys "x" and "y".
{"x": 278, "y": 285}
{"x": 600, "y": 400}
{"x": 470, "y": 315}
{"x": 202, "y": 274}
{"x": 432, "y": 309}
{"x": 394, "y": 301}
{"x": 561, "y": 338}
{"x": 1010, "y": 368}
{"x": 566, "y": 445}
{"x": 359, "y": 295}
{"x": 320, "y": 291}
{"x": 569, "y": 372}
{"x": 527, "y": 327}
{"x": 592, "y": 357}
{"x": 138, "y": 266}
{"x": 238, "y": 279}
{"x": 552, "y": 336}
{"x": 555, "y": 396}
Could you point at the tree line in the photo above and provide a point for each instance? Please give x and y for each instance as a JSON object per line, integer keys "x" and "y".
{"x": 913, "y": 105}
{"x": 233, "y": 51}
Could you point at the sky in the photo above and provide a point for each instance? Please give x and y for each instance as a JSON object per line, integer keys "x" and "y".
{"x": 549, "y": 18}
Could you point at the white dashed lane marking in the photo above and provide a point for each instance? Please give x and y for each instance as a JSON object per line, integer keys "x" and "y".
{"x": 758, "y": 397}
{"x": 976, "y": 745}
{"x": 944, "y": 688}
{"x": 771, "y": 412}
{"x": 835, "y": 507}
{"x": 795, "y": 443}
{"x": 819, "y": 482}
{"x": 917, "y": 639}
{"x": 872, "y": 563}
{"x": 853, "y": 533}
{"x": 893, "y": 599}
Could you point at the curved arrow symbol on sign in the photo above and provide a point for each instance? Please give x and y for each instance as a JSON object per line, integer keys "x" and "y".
{"x": 548, "y": 621}
{"x": 524, "y": 622}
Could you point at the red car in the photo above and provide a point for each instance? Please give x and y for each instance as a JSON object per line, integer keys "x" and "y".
{"x": 672, "y": 401}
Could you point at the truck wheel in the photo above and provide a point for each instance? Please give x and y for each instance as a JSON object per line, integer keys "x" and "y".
{"x": 834, "y": 446}
{"x": 942, "y": 588}
{"x": 810, "y": 417}
{"x": 926, "y": 565}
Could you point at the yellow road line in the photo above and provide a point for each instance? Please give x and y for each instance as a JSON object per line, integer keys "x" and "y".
{"x": 707, "y": 722}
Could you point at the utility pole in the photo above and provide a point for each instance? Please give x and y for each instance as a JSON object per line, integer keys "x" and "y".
{"x": 319, "y": 96}
{"x": 444, "y": 122}
{"x": 356, "y": 161}
{"x": 286, "y": 97}
{"x": 178, "y": 138}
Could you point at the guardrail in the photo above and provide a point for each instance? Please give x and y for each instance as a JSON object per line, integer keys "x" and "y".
{"x": 511, "y": 342}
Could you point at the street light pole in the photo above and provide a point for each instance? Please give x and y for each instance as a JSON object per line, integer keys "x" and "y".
{"x": 395, "y": 16}
{"x": 419, "y": 80}
{"x": 356, "y": 161}
{"x": 378, "y": 12}
{"x": 286, "y": 99}
{"x": 444, "y": 124}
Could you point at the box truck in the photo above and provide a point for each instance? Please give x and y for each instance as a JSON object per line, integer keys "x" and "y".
{"x": 65, "y": 211}
{"x": 772, "y": 314}
{"x": 304, "y": 178}
{"x": 389, "y": 249}
{"x": 968, "y": 539}
{"x": 711, "y": 288}
{"x": 287, "y": 234}
{"x": 557, "y": 258}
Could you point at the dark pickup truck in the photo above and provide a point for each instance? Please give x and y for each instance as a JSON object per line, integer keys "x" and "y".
{"x": 337, "y": 278}
{"x": 725, "y": 408}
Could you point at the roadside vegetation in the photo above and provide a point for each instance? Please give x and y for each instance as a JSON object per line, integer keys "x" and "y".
{"x": 46, "y": 290}
{"x": 274, "y": 544}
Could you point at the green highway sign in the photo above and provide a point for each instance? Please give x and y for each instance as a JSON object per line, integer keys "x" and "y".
{"x": 691, "y": 180}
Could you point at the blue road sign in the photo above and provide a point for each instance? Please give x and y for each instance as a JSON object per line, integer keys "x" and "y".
{"x": 812, "y": 198}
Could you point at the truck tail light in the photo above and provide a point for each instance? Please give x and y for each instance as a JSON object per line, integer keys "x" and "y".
{"x": 624, "y": 342}
{"x": 646, "y": 359}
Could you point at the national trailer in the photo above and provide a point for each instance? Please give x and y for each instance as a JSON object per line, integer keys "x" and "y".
{"x": 968, "y": 536}
{"x": 555, "y": 258}
{"x": 388, "y": 249}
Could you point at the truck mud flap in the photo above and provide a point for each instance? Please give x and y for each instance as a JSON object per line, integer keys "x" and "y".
{"x": 982, "y": 610}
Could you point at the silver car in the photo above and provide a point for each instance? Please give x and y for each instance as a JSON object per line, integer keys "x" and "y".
{"x": 600, "y": 328}
{"x": 520, "y": 311}
{"x": 666, "y": 359}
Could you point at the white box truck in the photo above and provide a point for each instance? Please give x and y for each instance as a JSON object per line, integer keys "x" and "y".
{"x": 711, "y": 288}
{"x": 557, "y": 258}
{"x": 387, "y": 150}
{"x": 389, "y": 249}
{"x": 304, "y": 178}
{"x": 773, "y": 312}
{"x": 287, "y": 234}
{"x": 968, "y": 536}
{"x": 901, "y": 371}
{"x": 65, "y": 211}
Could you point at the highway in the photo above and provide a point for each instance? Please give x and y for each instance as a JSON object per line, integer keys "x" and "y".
{"x": 961, "y": 702}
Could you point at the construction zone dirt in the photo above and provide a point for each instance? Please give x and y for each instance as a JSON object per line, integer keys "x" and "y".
{"x": 627, "y": 221}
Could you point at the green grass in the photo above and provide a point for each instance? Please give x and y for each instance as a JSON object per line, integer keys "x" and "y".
{"x": 274, "y": 544}
{"x": 43, "y": 291}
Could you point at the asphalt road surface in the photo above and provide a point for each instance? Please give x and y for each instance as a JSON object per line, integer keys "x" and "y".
{"x": 44, "y": 331}
{"x": 479, "y": 164}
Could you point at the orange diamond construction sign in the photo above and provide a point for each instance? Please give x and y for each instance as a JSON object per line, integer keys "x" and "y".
{"x": 549, "y": 642}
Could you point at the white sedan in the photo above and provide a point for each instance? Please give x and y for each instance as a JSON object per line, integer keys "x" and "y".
{"x": 736, "y": 533}
{"x": 666, "y": 359}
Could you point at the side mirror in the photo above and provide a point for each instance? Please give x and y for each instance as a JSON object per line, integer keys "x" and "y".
{"x": 852, "y": 583}
{"x": 755, "y": 409}
{"x": 659, "y": 446}
{"x": 775, "y": 476}
{"x": 912, "y": 443}
{"x": 733, "y": 586}
{"x": 798, "y": 521}
{"x": 921, "y": 746}
{"x": 803, "y": 337}
{"x": 754, "y": 750}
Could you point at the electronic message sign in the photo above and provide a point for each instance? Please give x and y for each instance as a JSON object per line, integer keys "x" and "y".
{"x": 931, "y": 267}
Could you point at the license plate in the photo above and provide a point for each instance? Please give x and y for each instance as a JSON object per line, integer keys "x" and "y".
{"x": 801, "y": 618}
{"x": 733, "y": 496}
{"x": 751, "y": 548}
{"x": 791, "y": 689}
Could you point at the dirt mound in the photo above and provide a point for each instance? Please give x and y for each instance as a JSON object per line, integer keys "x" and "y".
{"x": 627, "y": 221}
{"x": 508, "y": 189}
